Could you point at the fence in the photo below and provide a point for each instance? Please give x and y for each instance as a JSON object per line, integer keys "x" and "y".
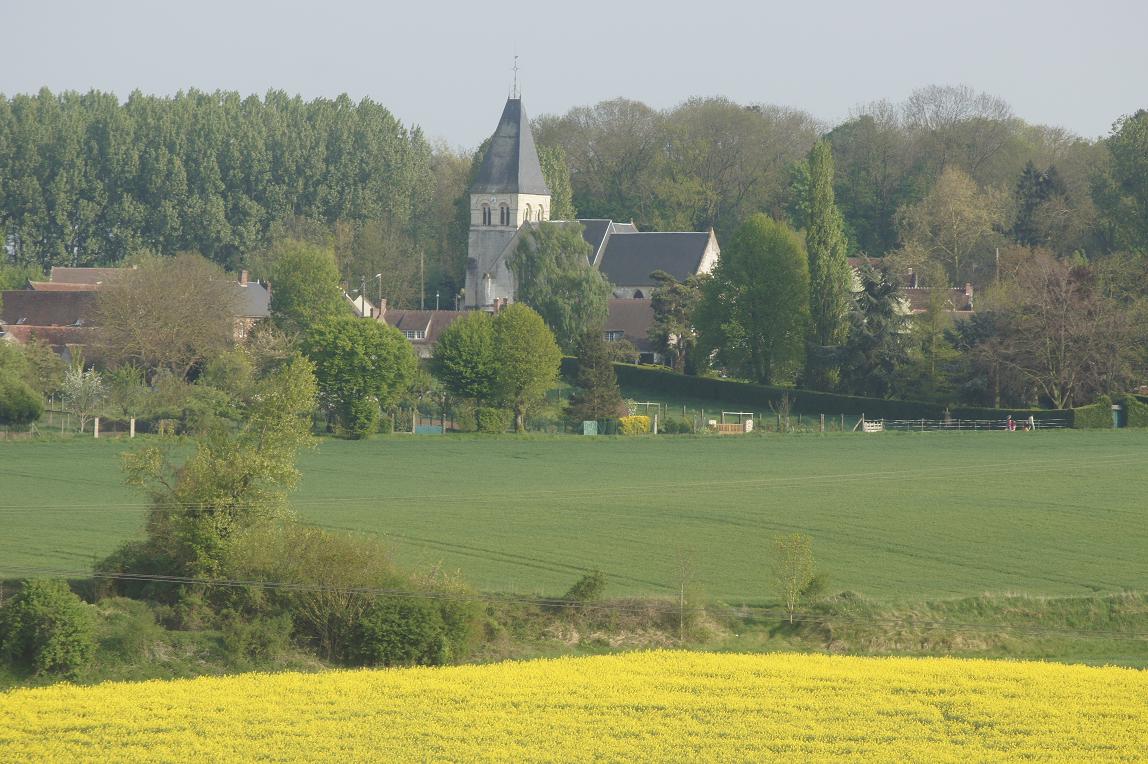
{"x": 970, "y": 425}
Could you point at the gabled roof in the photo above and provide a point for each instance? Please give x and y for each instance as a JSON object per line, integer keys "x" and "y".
{"x": 254, "y": 300}
{"x": 28, "y": 307}
{"x": 432, "y": 322}
{"x": 597, "y": 231}
{"x": 628, "y": 260}
{"x": 633, "y": 318}
{"x": 82, "y": 275}
{"x": 511, "y": 162}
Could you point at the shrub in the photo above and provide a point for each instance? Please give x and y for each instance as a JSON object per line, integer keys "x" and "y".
{"x": 675, "y": 425}
{"x": 492, "y": 420}
{"x": 19, "y": 404}
{"x": 588, "y": 588}
{"x": 1136, "y": 412}
{"x": 633, "y": 425}
{"x": 127, "y": 629}
{"x": 401, "y": 631}
{"x": 359, "y": 417}
{"x": 46, "y": 629}
{"x": 1097, "y": 416}
{"x": 255, "y": 638}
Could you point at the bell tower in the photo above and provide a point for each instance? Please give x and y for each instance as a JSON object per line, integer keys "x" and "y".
{"x": 508, "y": 192}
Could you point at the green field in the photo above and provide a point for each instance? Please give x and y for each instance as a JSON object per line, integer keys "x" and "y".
{"x": 898, "y": 517}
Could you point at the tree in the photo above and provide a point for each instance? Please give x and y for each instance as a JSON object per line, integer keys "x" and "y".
{"x": 169, "y": 313}
{"x": 239, "y": 474}
{"x": 956, "y": 224}
{"x": 557, "y": 174}
{"x": 361, "y": 366}
{"x": 755, "y": 309}
{"x": 793, "y": 569}
{"x": 598, "y": 396}
{"x": 83, "y": 393}
{"x": 674, "y": 303}
{"x": 19, "y": 404}
{"x": 878, "y": 337}
{"x": 527, "y": 360}
{"x": 1121, "y": 191}
{"x": 47, "y": 629}
{"x": 465, "y": 359}
{"x": 1034, "y": 188}
{"x": 554, "y": 277}
{"x": 304, "y": 284}
{"x": 830, "y": 278}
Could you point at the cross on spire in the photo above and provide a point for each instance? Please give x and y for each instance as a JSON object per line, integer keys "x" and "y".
{"x": 515, "y": 92}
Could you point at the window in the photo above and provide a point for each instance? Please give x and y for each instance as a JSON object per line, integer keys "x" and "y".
{"x": 527, "y": 218}
{"x": 486, "y": 214}
{"x": 415, "y": 334}
{"x": 504, "y": 215}
{"x": 614, "y": 336}
{"x": 541, "y": 213}
{"x": 638, "y": 294}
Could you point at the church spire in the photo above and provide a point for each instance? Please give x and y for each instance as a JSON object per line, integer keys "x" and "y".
{"x": 511, "y": 164}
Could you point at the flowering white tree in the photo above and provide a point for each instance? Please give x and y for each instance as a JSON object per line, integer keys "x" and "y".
{"x": 83, "y": 392}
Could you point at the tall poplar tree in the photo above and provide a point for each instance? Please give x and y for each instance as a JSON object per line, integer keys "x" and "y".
{"x": 829, "y": 276}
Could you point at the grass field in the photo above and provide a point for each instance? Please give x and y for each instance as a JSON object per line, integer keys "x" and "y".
{"x": 898, "y": 517}
{"x": 664, "y": 706}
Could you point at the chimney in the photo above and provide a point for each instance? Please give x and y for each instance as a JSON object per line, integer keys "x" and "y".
{"x": 243, "y": 278}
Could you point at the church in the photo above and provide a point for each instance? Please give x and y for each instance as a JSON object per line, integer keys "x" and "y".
{"x": 510, "y": 195}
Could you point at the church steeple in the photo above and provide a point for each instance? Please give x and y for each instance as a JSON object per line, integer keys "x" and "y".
{"x": 511, "y": 163}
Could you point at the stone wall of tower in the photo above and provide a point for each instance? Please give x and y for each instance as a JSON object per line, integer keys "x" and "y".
{"x": 488, "y": 277}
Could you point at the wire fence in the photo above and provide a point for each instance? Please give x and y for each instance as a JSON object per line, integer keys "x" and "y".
{"x": 973, "y": 425}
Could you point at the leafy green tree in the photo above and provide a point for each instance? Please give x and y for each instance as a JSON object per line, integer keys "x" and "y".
{"x": 527, "y": 360}
{"x": 598, "y": 396}
{"x": 362, "y": 366}
{"x": 238, "y": 474}
{"x": 878, "y": 339}
{"x": 1121, "y": 192}
{"x": 557, "y": 174}
{"x": 554, "y": 277}
{"x": 674, "y": 303}
{"x": 830, "y": 278}
{"x": 19, "y": 403}
{"x": 304, "y": 284}
{"x": 46, "y": 629}
{"x": 465, "y": 360}
{"x": 793, "y": 569}
{"x": 755, "y": 309}
{"x": 1033, "y": 189}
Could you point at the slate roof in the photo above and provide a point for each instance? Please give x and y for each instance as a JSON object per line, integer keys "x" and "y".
{"x": 634, "y": 318}
{"x": 511, "y": 162}
{"x": 254, "y": 300}
{"x": 955, "y": 299}
{"x": 597, "y": 232}
{"x": 433, "y": 322}
{"x": 32, "y": 308}
{"x": 630, "y": 259}
{"x": 82, "y": 275}
{"x": 56, "y": 337}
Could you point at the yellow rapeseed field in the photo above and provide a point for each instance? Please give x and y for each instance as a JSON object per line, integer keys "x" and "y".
{"x": 669, "y": 706}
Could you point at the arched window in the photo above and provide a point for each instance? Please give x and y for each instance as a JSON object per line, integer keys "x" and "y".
{"x": 541, "y": 213}
{"x": 486, "y": 214}
{"x": 638, "y": 294}
{"x": 504, "y": 215}
{"x": 527, "y": 218}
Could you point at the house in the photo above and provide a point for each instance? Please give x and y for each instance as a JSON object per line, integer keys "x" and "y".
{"x": 510, "y": 196}
{"x": 631, "y": 319}
{"x": 421, "y": 327}
{"x": 957, "y": 301}
{"x": 61, "y": 311}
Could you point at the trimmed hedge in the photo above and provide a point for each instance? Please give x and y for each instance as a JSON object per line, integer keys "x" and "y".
{"x": 762, "y": 397}
{"x": 492, "y": 420}
{"x": 1098, "y": 416}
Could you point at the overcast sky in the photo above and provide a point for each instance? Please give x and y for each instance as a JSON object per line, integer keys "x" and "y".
{"x": 447, "y": 65}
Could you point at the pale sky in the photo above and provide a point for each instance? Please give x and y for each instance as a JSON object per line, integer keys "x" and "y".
{"x": 447, "y": 65}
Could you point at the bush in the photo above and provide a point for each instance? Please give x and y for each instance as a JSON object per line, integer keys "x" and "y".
{"x": 588, "y": 588}
{"x": 633, "y": 425}
{"x": 675, "y": 425}
{"x": 359, "y": 417}
{"x": 1136, "y": 411}
{"x": 19, "y": 404}
{"x": 1097, "y": 416}
{"x": 401, "y": 631}
{"x": 255, "y": 638}
{"x": 46, "y": 629}
{"x": 492, "y": 420}
{"x": 127, "y": 630}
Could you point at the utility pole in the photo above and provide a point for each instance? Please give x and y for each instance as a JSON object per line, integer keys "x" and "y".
{"x": 998, "y": 251}
{"x": 362, "y": 296}
{"x": 379, "y": 306}
{"x": 436, "y": 300}
{"x": 422, "y": 281}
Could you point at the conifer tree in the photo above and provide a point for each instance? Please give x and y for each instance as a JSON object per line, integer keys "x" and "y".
{"x": 598, "y": 396}
{"x": 829, "y": 276}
